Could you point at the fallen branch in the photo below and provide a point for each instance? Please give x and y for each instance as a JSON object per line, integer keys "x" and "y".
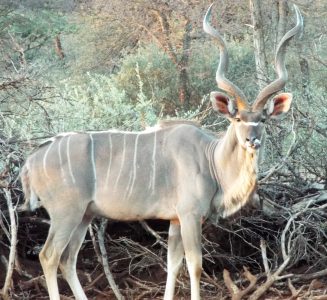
{"x": 273, "y": 277}
{"x": 34, "y": 283}
{"x": 235, "y": 292}
{"x": 294, "y": 291}
{"x": 314, "y": 285}
{"x": 310, "y": 276}
{"x": 149, "y": 288}
{"x": 270, "y": 281}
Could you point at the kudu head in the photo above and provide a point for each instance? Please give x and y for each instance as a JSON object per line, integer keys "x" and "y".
{"x": 248, "y": 118}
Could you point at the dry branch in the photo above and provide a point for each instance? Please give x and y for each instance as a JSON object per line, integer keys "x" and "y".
{"x": 236, "y": 293}
{"x": 159, "y": 239}
{"x": 34, "y": 283}
{"x": 104, "y": 259}
{"x": 13, "y": 243}
{"x": 310, "y": 276}
{"x": 280, "y": 164}
{"x": 294, "y": 291}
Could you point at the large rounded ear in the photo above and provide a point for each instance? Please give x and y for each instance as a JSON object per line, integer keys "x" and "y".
{"x": 279, "y": 105}
{"x": 223, "y": 104}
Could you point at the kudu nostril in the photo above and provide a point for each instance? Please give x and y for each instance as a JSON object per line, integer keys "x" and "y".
{"x": 251, "y": 139}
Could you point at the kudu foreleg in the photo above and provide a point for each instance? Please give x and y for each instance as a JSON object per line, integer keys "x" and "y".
{"x": 174, "y": 259}
{"x": 191, "y": 236}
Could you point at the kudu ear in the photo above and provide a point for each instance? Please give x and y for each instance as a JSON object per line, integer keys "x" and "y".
{"x": 223, "y": 104}
{"x": 279, "y": 105}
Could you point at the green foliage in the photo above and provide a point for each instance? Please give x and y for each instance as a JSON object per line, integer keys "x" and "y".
{"x": 203, "y": 66}
{"x": 155, "y": 70}
{"x": 97, "y": 104}
{"x": 27, "y": 24}
{"x": 160, "y": 75}
{"x": 312, "y": 133}
{"x": 23, "y": 28}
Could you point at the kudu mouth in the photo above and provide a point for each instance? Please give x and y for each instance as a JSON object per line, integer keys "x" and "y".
{"x": 253, "y": 145}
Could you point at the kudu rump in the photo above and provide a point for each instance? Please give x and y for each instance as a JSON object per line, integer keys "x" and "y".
{"x": 175, "y": 172}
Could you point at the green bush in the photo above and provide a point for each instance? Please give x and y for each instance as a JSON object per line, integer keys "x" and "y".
{"x": 204, "y": 62}
{"x": 157, "y": 73}
{"x": 98, "y": 104}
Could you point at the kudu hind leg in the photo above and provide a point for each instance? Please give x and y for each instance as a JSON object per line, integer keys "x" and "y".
{"x": 191, "y": 236}
{"x": 58, "y": 238}
{"x": 69, "y": 258}
{"x": 174, "y": 259}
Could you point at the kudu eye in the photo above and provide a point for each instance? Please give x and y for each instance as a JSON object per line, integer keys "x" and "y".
{"x": 237, "y": 119}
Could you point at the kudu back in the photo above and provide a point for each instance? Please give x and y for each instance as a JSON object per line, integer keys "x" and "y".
{"x": 179, "y": 173}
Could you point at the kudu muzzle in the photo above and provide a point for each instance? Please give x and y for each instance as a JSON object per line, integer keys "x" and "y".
{"x": 253, "y": 143}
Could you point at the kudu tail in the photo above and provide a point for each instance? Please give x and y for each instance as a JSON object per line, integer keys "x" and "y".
{"x": 31, "y": 199}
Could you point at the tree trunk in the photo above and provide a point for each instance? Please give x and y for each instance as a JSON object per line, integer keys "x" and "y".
{"x": 180, "y": 63}
{"x": 259, "y": 44}
{"x": 183, "y": 93}
{"x": 165, "y": 37}
{"x": 58, "y": 47}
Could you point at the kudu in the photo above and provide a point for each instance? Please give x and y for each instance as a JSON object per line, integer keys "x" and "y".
{"x": 176, "y": 172}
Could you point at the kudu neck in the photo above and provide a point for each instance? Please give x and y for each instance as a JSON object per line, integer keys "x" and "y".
{"x": 236, "y": 169}
{"x": 231, "y": 152}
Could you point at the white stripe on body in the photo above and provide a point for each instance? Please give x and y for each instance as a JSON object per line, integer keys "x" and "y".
{"x": 122, "y": 162}
{"x": 69, "y": 162}
{"x": 153, "y": 179}
{"x": 128, "y": 184}
{"x": 45, "y": 160}
{"x": 93, "y": 168}
{"x": 110, "y": 160}
{"x": 60, "y": 161}
{"x": 134, "y": 167}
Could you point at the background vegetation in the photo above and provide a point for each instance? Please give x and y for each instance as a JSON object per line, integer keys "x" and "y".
{"x": 97, "y": 64}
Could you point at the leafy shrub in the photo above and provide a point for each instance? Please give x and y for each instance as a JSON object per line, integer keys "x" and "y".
{"x": 204, "y": 62}
{"x": 156, "y": 71}
{"x": 98, "y": 104}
